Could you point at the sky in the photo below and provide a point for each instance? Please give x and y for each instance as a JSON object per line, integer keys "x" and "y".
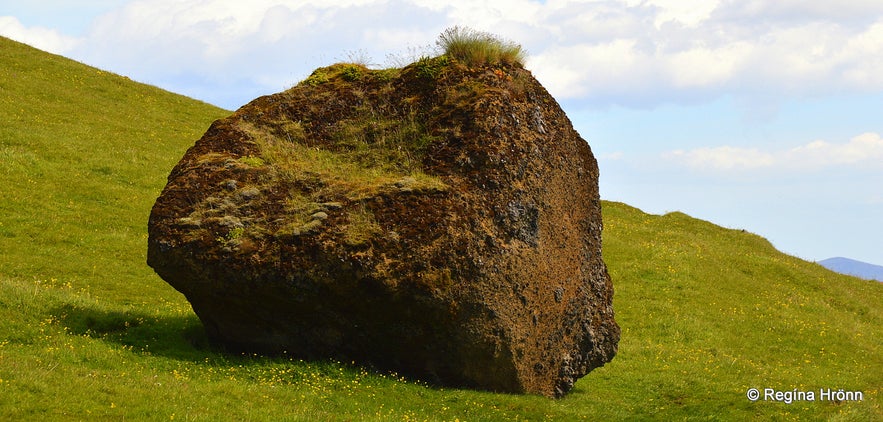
{"x": 765, "y": 116}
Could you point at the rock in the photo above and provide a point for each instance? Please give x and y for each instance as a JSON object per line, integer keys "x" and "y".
{"x": 445, "y": 225}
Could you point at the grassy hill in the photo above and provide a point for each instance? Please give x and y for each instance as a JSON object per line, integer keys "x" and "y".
{"x": 87, "y": 331}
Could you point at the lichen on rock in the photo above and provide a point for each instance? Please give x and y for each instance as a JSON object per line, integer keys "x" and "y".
{"x": 440, "y": 220}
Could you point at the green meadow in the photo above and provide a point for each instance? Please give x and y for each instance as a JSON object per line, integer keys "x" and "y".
{"x": 89, "y": 332}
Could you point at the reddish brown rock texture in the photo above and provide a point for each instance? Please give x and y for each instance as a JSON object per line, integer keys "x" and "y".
{"x": 470, "y": 258}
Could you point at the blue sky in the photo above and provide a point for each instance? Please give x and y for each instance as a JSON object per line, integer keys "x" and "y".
{"x": 758, "y": 115}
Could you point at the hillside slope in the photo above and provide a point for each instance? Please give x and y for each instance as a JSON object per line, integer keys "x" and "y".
{"x": 84, "y": 153}
{"x": 87, "y": 331}
{"x": 709, "y": 312}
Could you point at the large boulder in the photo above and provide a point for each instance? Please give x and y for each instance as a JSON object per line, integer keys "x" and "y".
{"x": 439, "y": 220}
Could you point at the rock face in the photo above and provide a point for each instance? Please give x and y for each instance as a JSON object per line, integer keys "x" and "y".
{"x": 437, "y": 220}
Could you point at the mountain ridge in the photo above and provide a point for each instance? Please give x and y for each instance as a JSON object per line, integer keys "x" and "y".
{"x": 853, "y": 268}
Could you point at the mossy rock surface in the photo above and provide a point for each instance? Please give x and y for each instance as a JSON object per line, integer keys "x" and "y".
{"x": 439, "y": 220}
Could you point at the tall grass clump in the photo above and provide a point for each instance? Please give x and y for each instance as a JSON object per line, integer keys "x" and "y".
{"x": 477, "y": 48}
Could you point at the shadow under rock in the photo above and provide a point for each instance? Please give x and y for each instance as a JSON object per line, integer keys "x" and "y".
{"x": 177, "y": 337}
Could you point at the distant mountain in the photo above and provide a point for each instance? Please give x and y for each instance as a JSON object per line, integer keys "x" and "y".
{"x": 854, "y": 268}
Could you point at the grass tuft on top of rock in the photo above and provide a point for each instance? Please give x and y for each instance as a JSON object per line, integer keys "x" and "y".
{"x": 478, "y": 48}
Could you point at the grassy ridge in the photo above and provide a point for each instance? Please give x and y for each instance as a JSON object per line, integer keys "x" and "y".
{"x": 87, "y": 331}
{"x": 84, "y": 153}
{"x": 708, "y": 313}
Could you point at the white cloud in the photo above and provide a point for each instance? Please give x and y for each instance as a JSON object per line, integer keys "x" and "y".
{"x": 703, "y": 66}
{"x": 43, "y": 38}
{"x": 613, "y": 68}
{"x": 612, "y": 156}
{"x": 722, "y": 158}
{"x": 687, "y": 12}
{"x": 627, "y": 52}
{"x": 228, "y": 52}
{"x": 661, "y": 51}
{"x": 798, "y": 10}
{"x": 865, "y": 52}
{"x": 865, "y": 150}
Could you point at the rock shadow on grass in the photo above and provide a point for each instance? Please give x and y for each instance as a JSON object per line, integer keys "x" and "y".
{"x": 177, "y": 337}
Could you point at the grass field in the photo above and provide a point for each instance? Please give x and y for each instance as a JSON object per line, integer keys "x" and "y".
{"x": 88, "y": 332}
